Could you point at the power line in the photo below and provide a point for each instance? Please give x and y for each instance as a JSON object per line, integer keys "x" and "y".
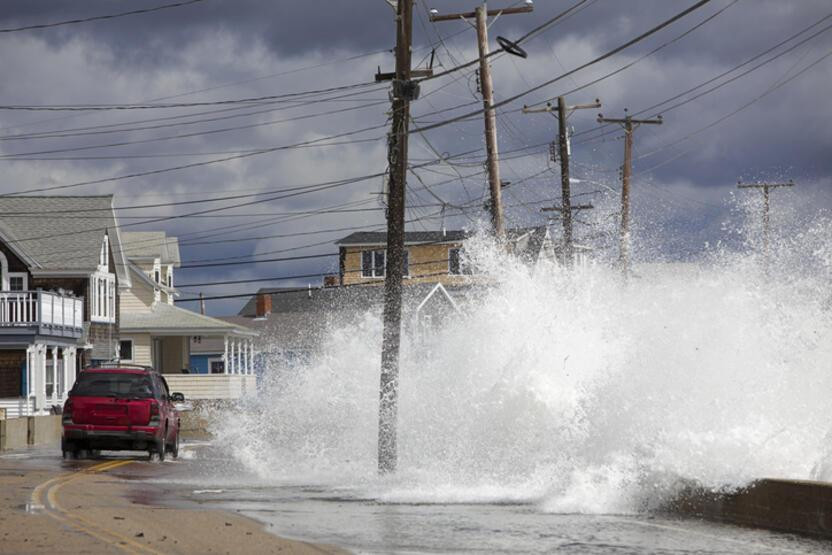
{"x": 600, "y": 58}
{"x": 723, "y": 74}
{"x": 149, "y": 106}
{"x": 196, "y": 164}
{"x": 99, "y": 17}
{"x": 188, "y": 135}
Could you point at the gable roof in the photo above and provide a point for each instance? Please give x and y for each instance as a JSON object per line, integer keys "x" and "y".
{"x": 146, "y": 245}
{"x": 61, "y": 233}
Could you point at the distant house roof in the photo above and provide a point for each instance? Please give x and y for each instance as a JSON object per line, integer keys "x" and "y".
{"x": 300, "y": 318}
{"x": 163, "y": 318}
{"x": 334, "y": 299}
{"x": 148, "y": 245}
{"x": 410, "y": 237}
{"x": 416, "y": 237}
{"x": 68, "y": 241}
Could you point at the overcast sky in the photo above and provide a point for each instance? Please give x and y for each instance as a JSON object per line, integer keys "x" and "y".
{"x": 770, "y": 124}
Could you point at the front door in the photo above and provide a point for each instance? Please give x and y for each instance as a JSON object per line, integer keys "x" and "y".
{"x": 11, "y": 373}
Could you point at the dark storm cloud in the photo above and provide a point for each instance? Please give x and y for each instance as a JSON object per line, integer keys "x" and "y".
{"x": 215, "y": 43}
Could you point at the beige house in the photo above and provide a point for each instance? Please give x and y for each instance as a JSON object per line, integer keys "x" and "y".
{"x": 156, "y": 333}
{"x": 430, "y": 256}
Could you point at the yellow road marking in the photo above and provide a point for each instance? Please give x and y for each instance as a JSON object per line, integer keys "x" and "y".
{"x": 54, "y": 509}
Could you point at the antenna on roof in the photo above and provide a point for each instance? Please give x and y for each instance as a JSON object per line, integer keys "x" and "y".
{"x": 309, "y": 291}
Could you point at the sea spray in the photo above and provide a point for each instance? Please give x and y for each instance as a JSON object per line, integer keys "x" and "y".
{"x": 575, "y": 391}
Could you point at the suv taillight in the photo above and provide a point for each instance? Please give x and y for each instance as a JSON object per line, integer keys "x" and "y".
{"x": 66, "y": 417}
{"x": 154, "y": 412}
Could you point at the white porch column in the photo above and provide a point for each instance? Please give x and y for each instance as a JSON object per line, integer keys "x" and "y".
{"x": 250, "y": 357}
{"x": 39, "y": 376}
{"x": 69, "y": 369}
{"x": 30, "y": 389}
{"x": 225, "y": 356}
{"x": 244, "y": 363}
{"x": 55, "y": 384}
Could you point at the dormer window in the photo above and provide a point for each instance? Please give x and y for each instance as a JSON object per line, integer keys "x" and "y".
{"x": 170, "y": 277}
{"x": 158, "y": 276}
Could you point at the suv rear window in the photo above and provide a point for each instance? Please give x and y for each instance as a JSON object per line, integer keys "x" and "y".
{"x": 95, "y": 384}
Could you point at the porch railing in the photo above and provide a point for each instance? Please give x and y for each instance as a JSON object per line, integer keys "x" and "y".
{"x": 41, "y": 308}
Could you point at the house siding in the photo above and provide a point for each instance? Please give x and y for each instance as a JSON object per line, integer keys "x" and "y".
{"x": 138, "y": 298}
{"x": 141, "y": 348}
{"x": 431, "y": 261}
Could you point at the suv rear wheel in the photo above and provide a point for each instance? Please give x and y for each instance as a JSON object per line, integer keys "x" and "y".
{"x": 158, "y": 451}
{"x": 173, "y": 448}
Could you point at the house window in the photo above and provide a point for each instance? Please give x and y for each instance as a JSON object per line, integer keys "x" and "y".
{"x": 457, "y": 266}
{"x": 373, "y": 263}
{"x": 158, "y": 276}
{"x": 102, "y": 297}
{"x": 125, "y": 350}
{"x": 216, "y": 366}
{"x": 18, "y": 281}
{"x": 170, "y": 277}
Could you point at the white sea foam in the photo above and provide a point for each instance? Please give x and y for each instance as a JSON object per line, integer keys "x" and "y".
{"x": 574, "y": 391}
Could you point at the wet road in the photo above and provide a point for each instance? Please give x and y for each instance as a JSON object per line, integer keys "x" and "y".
{"x": 201, "y": 479}
{"x": 344, "y": 518}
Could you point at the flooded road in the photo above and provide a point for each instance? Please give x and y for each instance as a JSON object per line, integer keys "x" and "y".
{"x": 349, "y": 519}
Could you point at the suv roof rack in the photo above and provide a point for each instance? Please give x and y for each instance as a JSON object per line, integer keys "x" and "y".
{"x": 119, "y": 365}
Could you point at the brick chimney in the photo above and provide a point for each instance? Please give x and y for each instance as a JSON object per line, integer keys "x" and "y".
{"x": 264, "y": 305}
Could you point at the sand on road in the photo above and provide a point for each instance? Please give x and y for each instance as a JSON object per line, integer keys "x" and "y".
{"x": 52, "y": 506}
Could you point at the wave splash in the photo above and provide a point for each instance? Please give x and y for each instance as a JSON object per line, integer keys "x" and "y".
{"x": 573, "y": 391}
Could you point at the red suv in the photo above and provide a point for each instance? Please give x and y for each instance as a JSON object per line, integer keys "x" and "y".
{"x": 121, "y": 408}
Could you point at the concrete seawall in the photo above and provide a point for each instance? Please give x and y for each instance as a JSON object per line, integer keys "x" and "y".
{"x": 19, "y": 433}
{"x": 797, "y": 506}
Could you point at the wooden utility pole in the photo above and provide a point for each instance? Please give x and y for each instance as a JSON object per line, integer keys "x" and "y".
{"x": 766, "y": 187}
{"x": 629, "y": 125}
{"x": 404, "y": 90}
{"x": 492, "y": 152}
{"x": 562, "y": 113}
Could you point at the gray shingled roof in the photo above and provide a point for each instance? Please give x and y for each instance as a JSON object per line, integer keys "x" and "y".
{"x": 151, "y": 244}
{"x": 334, "y": 299}
{"x": 61, "y": 233}
{"x": 163, "y": 318}
{"x": 300, "y": 319}
{"x": 415, "y": 237}
{"x": 410, "y": 237}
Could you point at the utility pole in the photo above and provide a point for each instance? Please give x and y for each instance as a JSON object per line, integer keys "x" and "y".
{"x": 492, "y": 153}
{"x": 562, "y": 113}
{"x": 404, "y": 90}
{"x": 629, "y": 124}
{"x": 766, "y": 187}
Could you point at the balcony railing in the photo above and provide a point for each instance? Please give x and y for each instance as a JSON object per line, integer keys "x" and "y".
{"x": 49, "y": 312}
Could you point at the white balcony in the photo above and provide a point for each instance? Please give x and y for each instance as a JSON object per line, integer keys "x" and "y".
{"x": 41, "y": 312}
